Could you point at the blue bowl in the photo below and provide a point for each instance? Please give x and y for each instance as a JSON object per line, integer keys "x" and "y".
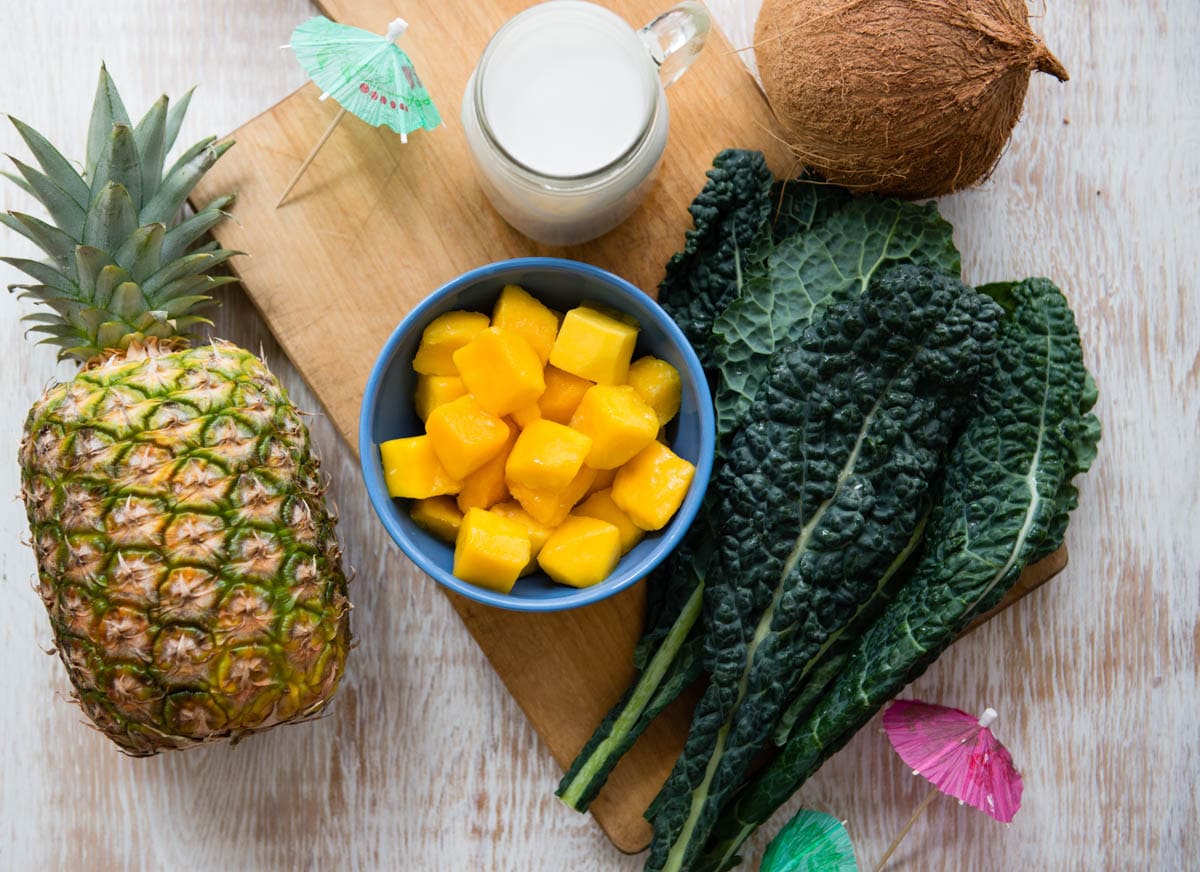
{"x": 388, "y": 413}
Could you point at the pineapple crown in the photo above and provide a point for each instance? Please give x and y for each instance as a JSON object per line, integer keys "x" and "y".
{"x": 122, "y": 266}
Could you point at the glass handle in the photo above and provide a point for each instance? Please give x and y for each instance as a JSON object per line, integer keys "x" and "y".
{"x": 675, "y": 38}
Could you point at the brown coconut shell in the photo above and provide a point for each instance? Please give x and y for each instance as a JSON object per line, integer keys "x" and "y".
{"x": 912, "y": 98}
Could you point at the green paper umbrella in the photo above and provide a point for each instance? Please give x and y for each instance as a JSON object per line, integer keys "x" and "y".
{"x": 367, "y": 74}
{"x": 812, "y": 841}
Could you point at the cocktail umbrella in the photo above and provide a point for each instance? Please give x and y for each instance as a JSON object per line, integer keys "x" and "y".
{"x": 812, "y": 841}
{"x": 958, "y": 754}
{"x": 367, "y": 74}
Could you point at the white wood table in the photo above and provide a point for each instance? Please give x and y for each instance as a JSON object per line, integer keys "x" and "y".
{"x": 424, "y": 763}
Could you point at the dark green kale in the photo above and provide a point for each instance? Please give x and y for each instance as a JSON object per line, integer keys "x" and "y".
{"x": 1005, "y": 503}
{"x": 829, "y": 259}
{"x": 822, "y": 489}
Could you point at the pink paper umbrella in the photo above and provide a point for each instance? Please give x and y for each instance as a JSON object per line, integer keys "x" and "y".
{"x": 957, "y": 754}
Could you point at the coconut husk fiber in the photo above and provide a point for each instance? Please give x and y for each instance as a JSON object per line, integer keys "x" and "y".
{"x": 911, "y": 98}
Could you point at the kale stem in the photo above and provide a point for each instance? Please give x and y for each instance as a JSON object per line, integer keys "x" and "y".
{"x": 588, "y": 774}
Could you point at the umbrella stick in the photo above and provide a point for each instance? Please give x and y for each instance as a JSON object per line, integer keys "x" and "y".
{"x": 904, "y": 832}
{"x": 312, "y": 154}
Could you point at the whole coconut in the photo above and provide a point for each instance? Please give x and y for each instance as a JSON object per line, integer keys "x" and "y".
{"x": 912, "y": 98}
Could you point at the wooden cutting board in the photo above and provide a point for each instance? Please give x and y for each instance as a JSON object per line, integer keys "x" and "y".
{"x": 375, "y": 226}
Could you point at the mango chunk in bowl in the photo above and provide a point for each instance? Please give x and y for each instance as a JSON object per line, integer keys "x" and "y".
{"x": 602, "y": 504}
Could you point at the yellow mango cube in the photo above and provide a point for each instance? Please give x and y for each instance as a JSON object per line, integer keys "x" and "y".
{"x": 600, "y": 505}
{"x": 547, "y": 456}
{"x": 501, "y": 369}
{"x": 562, "y": 395}
{"x": 594, "y": 346}
{"x": 650, "y": 488}
{"x": 490, "y": 550}
{"x": 465, "y": 436}
{"x": 436, "y": 390}
{"x": 604, "y": 480}
{"x": 519, "y": 311}
{"x": 658, "y": 383}
{"x": 538, "y": 532}
{"x": 526, "y": 415}
{"x": 411, "y": 468}
{"x": 485, "y": 487}
{"x": 618, "y": 421}
{"x": 438, "y": 516}
{"x": 581, "y": 552}
{"x": 445, "y": 335}
{"x": 551, "y": 508}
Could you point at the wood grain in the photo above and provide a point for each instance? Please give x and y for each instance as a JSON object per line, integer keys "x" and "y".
{"x": 426, "y": 763}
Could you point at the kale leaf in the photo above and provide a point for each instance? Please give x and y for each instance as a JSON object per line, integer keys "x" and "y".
{"x": 833, "y": 257}
{"x": 1005, "y": 503}
{"x": 822, "y": 490}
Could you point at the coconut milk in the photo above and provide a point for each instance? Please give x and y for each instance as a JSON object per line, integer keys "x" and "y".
{"x": 567, "y": 120}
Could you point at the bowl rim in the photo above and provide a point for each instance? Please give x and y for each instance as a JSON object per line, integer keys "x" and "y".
{"x": 382, "y": 503}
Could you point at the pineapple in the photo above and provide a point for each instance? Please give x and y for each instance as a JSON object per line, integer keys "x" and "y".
{"x": 184, "y": 549}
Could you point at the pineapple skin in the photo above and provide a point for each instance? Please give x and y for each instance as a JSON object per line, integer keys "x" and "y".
{"x": 185, "y": 552}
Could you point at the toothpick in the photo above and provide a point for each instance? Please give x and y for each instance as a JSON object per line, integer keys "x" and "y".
{"x": 312, "y": 154}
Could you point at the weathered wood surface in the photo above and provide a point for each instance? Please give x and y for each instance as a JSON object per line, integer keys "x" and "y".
{"x": 426, "y": 762}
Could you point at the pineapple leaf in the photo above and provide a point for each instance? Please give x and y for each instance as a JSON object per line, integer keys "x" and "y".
{"x": 110, "y": 278}
{"x": 169, "y": 198}
{"x": 141, "y": 253}
{"x": 186, "y": 232}
{"x": 89, "y": 260}
{"x": 19, "y": 182}
{"x": 44, "y": 274}
{"x": 111, "y": 218}
{"x": 63, "y": 209}
{"x": 175, "y": 120}
{"x": 57, "y": 167}
{"x": 59, "y": 246}
{"x": 107, "y": 110}
{"x": 188, "y": 265}
{"x": 150, "y": 136}
{"x": 184, "y": 305}
{"x": 119, "y": 164}
{"x": 183, "y": 287}
{"x": 184, "y": 324}
{"x": 127, "y": 301}
{"x": 110, "y": 334}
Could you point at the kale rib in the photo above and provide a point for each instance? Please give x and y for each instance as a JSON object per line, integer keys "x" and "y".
{"x": 1005, "y": 503}
{"x": 825, "y": 486}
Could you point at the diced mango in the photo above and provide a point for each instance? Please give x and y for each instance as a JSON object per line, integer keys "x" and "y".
{"x": 465, "y": 436}
{"x": 412, "y": 469}
{"x": 581, "y": 552}
{"x": 604, "y": 480}
{"x": 618, "y": 421}
{"x": 547, "y": 456}
{"x": 526, "y": 415}
{"x": 650, "y": 488}
{"x": 501, "y": 369}
{"x": 562, "y": 395}
{"x": 436, "y": 390}
{"x": 485, "y": 487}
{"x": 538, "y": 532}
{"x": 600, "y": 505}
{"x": 550, "y": 508}
{"x": 439, "y": 516}
{"x": 520, "y": 312}
{"x": 445, "y": 335}
{"x": 490, "y": 550}
{"x": 594, "y": 346}
{"x": 658, "y": 383}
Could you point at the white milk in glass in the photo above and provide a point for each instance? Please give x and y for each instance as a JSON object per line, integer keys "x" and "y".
{"x": 567, "y": 120}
